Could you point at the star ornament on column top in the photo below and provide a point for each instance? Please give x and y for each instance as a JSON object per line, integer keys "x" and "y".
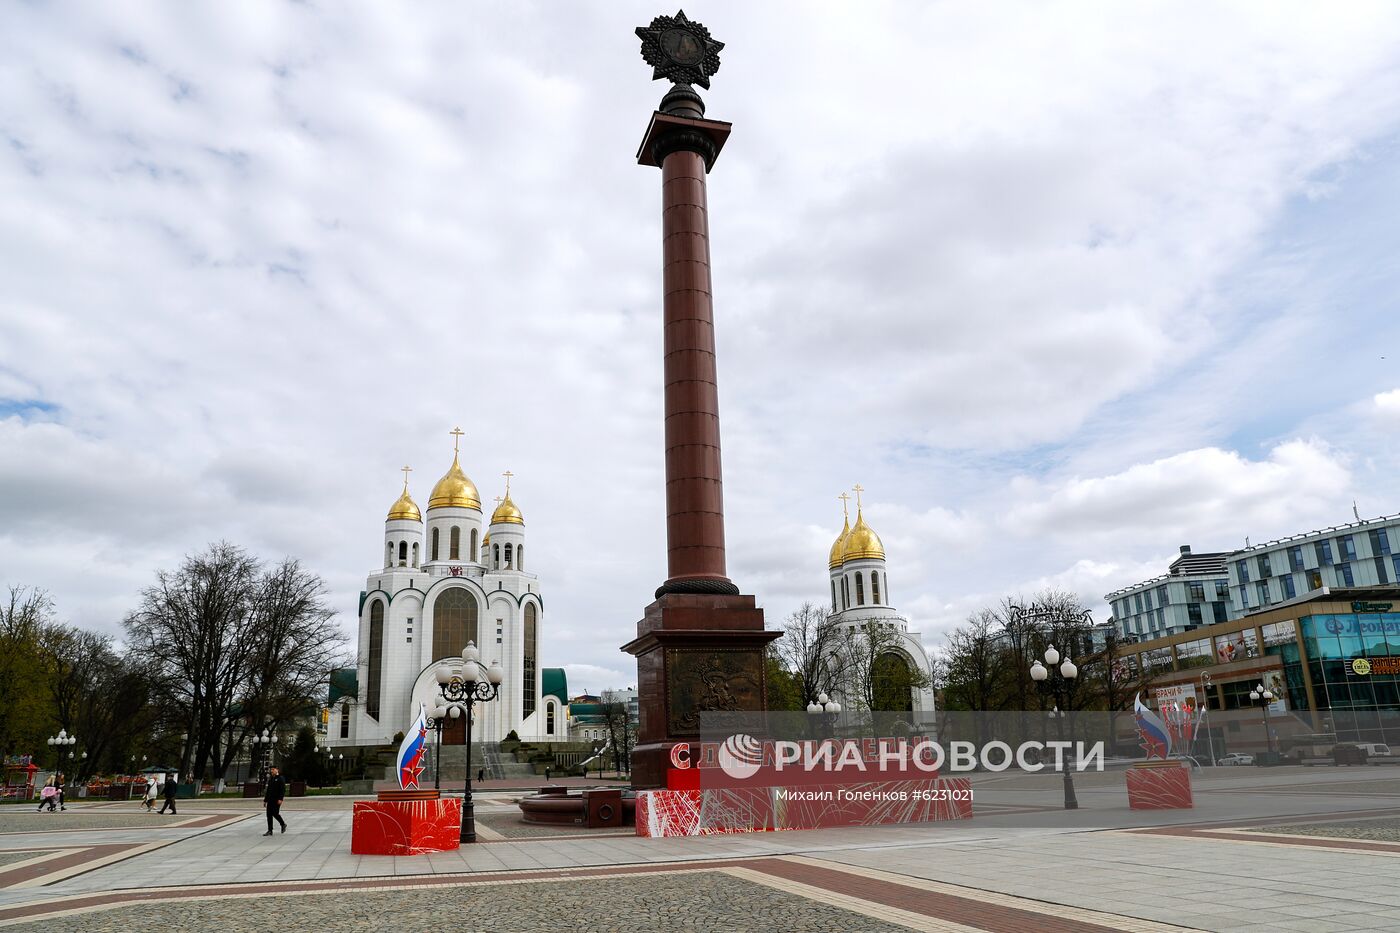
{"x": 679, "y": 50}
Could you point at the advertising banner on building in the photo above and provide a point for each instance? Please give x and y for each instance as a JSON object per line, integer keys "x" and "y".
{"x": 1180, "y": 696}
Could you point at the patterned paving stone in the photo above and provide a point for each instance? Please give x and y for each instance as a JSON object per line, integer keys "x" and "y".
{"x": 1372, "y": 830}
{"x": 510, "y": 826}
{"x": 686, "y": 903}
{"x": 75, "y": 818}
{"x": 7, "y": 858}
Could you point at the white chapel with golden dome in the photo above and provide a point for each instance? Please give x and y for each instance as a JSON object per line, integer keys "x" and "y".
{"x": 860, "y": 599}
{"x": 448, "y": 578}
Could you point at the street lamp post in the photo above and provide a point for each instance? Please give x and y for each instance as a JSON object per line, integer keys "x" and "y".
{"x": 262, "y": 747}
{"x": 1264, "y": 697}
{"x": 824, "y": 711}
{"x": 58, "y": 743}
{"x": 1060, "y": 681}
{"x": 436, "y": 721}
{"x": 463, "y": 693}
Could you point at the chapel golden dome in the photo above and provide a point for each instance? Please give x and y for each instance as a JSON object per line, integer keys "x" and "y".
{"x": 838, "y": 544}
{"x": 455, "y": 491}
{"x": 507, "y": 512}
{"x": 404, "y": 507}
{"x": 862, "y": 543}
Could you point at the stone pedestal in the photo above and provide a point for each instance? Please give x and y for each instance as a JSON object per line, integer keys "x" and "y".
{"x": 695, "y": 653}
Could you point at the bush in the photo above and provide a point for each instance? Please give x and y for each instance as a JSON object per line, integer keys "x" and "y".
{"x": 398, "y": 738}
{"x": 512, "y": 736}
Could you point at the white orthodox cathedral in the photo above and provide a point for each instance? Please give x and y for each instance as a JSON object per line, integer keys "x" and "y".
{"x": 860, "y": 598}
{"x": 446, "y": 582}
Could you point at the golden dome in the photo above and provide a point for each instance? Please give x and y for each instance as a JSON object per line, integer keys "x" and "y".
{"x": 862, "y": 543}
{"x": 404, "y": 507}
{"x": 836, "y": 546}
{"x": 454, "y": 490}
{"x": 507, "y": 511}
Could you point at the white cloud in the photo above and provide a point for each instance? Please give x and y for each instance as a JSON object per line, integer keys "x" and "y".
{"x": 256, "y": 261}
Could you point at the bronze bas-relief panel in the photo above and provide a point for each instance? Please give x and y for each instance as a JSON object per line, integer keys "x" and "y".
{"x": 708, "y": 680}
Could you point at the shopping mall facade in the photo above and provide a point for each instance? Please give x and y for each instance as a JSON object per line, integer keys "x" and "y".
{"x": 1331, "y": 658}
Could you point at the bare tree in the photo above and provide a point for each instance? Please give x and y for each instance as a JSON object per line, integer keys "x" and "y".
{"x": 811, "y": 648}
{"x": 978, "y": 670}
{"x": 234, "y": 647}
{"x": 870, "y": 656}
{"x": 622, "y": 731}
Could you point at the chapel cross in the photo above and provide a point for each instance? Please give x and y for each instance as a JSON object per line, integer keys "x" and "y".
{"x": 845, "y": 497}
{"x": 507, "y": 474}
{"x": 406, "y": 470}
{"x": 859, "y": 489}
{"x": 456, "y": 437}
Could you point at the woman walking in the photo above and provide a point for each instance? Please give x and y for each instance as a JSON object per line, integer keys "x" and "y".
{"x": 152, "y": 792}
{"x": 49, "y": 795}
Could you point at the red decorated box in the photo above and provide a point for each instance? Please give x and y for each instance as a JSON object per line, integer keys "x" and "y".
{"x": 406, "y": 827}
{"x": 1160, "y": 785}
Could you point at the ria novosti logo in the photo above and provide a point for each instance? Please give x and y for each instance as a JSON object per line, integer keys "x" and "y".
{"x": 743, "y": 758}
{"x": 740, "y": 756}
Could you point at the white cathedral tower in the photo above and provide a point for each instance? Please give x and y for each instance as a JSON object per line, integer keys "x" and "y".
{"x": 860, "y": 599}
{"x": 439, "y": 588}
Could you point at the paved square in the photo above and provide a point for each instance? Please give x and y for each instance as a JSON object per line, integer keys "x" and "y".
{"x": 1278, "y": 849}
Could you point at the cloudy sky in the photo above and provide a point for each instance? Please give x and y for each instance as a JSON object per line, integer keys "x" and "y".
{"x": 1064, "y": 286}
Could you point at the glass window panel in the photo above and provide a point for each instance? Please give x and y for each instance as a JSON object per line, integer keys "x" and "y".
{"x": 1195, "y": 653}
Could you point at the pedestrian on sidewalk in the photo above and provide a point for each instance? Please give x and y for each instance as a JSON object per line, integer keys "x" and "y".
{"x": 58, "y": 785}
{"x": 272, "y": 799}
{"x": 172, "y": 787}
{"x": 152, "y": 792}
{"x": 47, "y": 795}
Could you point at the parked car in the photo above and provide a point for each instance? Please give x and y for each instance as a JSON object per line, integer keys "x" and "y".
{"x": 1236, "y": 758}
{"x": 1374, "y": 748}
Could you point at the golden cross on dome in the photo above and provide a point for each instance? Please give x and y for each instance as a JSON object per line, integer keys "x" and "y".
{"x": 507, "y": 474}
{"x": 406, "y": 470}
{"x": 859, "y": 489}
{"x": 844, "y": 497}
{"x": 456, "y": 437}
{"x": 499, "y": 500}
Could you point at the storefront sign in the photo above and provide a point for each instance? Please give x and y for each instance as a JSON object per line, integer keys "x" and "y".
{"x": 1356, "y": 625}
{"x": 1360, "y": 606}
{"x": 1364, "y": 666}
{"x": 1179, "y": 695}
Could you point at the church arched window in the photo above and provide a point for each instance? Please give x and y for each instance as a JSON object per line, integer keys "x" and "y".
{"x": 508, "y": 551}
{"x": 845, "y": 593}
{"x": 520, "y": 557}
{"x": 833, "y": 596}
{"x": 454, "y": 623}
{"x": 454, "y": 544}
{"x": 434, "y": 550}
{"x": 389, "y": 554}
{"x": 403, "y": 553}
{"x": 549, "y": 719}
{"x": 531, "y": 646}
{"x": 415, "y": 553}
{"x": 496, "y": 556}
{"x": 860, "y": 589}
{"x": 471, "y": 555}
{"x": 376, "y": 658}
{"x": 875, "y": 587}
{"x": 345, "y": 720}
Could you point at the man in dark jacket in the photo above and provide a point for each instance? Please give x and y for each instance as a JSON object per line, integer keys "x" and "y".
{"x": 272, "y": 799}
{"x": 171, "y": 788}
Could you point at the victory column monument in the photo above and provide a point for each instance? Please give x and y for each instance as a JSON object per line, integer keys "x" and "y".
{"x": 700, "y": 644}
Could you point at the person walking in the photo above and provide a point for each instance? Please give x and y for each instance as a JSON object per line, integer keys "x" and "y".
{"x": 47, "y": 795}
{"x": 171, "y": 789}
{"x": 152, "y": 792}
{"x": 58, "y": 786}
{"x": 272, "y": 799}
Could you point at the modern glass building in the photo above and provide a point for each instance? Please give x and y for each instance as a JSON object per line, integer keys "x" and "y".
{"x": 1207, "y": 589}
{"x": 1331, "y": 657}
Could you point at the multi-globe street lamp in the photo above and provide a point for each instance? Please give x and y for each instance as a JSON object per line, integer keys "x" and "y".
{"x": 262, "y": 747}
{"x": 436, "y": 721}
{"x": 1060, "y": 681}
{"x": 58, "y": 743}
{"x": 1263, "y": 697}
{"x": 824, "y": 711}
{"x": 462, "y": 692}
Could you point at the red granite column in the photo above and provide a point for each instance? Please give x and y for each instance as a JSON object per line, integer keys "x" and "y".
{"x": 700, "y": 630}
{"x": 694, "y": 488}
